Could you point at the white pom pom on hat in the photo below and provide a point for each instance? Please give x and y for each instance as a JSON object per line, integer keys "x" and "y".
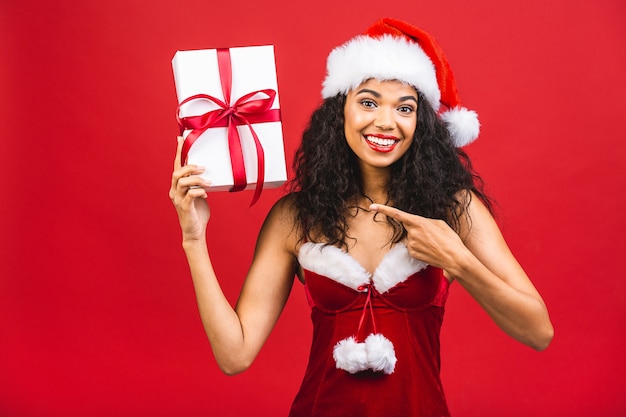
{"x": 395, "y": 50}
{"x": 462, "y": 124}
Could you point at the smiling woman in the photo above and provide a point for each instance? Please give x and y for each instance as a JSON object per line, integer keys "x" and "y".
{"x": 384, "y": 215}
{"x": 380, "y": 121}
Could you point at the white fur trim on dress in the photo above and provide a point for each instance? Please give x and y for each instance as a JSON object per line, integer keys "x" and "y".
{"x": 462, "y": 124}
{"x": 396, "y": 266}
{"x": 383, "y": 58}
{"x": 376, "y": 353}
{"x": 333, "y": 263}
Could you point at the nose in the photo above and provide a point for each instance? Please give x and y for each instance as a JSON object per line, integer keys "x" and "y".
{"x": 385, "y": 118}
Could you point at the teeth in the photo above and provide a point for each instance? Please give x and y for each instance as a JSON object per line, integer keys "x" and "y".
{"x": 380, "y": 141}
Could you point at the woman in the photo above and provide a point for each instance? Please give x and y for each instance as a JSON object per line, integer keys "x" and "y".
{"x": 384, "y": 215}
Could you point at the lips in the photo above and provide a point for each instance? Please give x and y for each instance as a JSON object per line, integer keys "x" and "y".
{"x": 381, "y": 143}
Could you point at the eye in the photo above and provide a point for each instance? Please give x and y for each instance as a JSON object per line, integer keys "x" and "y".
{"x": 406, "y": 109}
{"x": 370, "y": 104}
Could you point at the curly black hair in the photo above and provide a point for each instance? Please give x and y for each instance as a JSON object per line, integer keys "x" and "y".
{"x": 428, "y": 180}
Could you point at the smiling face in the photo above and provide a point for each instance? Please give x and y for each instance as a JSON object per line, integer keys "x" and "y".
{"x": 380, "y": 120}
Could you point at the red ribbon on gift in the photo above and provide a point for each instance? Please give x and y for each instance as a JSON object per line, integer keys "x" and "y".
{"x": 244, "y": 111}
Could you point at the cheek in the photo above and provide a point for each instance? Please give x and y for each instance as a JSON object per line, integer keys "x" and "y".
{"x": 409, "y": 128}
{"x": 352, "y": 123}
{"x": 349, "y": 117}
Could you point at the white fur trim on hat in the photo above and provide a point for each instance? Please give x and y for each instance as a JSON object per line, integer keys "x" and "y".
{"x": 383, "y": 58}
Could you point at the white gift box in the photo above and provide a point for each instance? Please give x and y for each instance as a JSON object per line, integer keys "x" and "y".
{"x": 253, "y": 69}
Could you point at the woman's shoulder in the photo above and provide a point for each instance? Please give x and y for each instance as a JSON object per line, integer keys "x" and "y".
{"x": 282, "y": 220}
{"x": 285, "y": 206}
{"x": 476, "y": 218}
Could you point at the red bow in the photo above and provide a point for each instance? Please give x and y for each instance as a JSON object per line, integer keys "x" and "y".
{"x": 244, "y": 111}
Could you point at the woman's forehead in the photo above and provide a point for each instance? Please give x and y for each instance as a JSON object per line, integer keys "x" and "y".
{"x": 386, "y": 86}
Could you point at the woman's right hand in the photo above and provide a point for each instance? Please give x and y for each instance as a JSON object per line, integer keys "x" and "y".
{"x": 188, "y": 194}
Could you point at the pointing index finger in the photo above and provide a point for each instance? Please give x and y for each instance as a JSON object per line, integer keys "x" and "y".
{"x": 392, "y": 212}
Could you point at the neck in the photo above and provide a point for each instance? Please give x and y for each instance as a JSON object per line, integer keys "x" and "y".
{"x": 375, "y": 183}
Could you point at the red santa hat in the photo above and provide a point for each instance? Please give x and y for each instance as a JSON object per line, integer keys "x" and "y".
{"x": 395, "y": 50}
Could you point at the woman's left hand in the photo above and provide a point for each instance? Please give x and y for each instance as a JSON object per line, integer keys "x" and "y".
{"x": 429, "y": 240}
{"x": 483, "y": 264}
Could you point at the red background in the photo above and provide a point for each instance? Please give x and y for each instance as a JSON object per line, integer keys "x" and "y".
{"x": 97, "y": 311}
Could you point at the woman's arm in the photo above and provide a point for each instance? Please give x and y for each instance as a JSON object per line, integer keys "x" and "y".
{"x": 236, "y": 334}
{"x": 492, "y": 275}
{"x": 483, "y": 264}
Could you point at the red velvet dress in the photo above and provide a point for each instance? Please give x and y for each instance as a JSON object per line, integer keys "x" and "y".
{"x": 404, "y": 301}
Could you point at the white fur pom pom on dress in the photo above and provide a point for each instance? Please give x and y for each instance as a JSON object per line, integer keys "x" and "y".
{"x": 350, "y": 355}
{"x": 381, "y": 356}
{"x": 376, "y": 353}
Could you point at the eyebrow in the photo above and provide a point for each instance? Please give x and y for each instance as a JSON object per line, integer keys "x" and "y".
{"x": 378, "y": 95}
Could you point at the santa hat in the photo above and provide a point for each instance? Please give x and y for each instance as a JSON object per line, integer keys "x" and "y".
{"x": 395, "y": 50}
